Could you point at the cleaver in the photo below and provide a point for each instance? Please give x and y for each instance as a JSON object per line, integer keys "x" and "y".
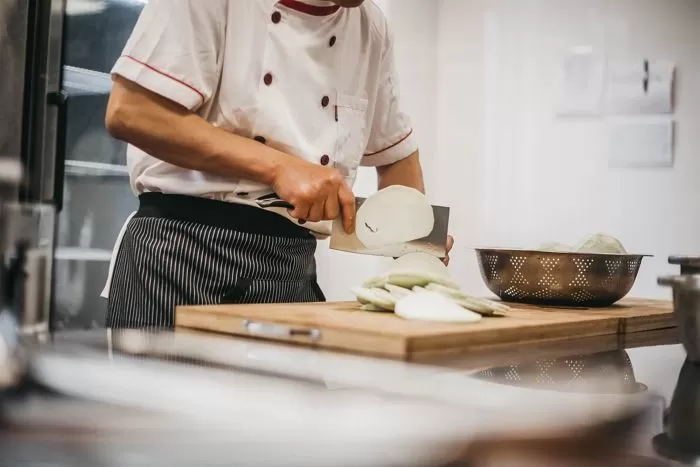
{"x": 435, "y": 244}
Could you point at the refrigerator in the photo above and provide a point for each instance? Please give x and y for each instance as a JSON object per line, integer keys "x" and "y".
{"x": 55, "y": 57}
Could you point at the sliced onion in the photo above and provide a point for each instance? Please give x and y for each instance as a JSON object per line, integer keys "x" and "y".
{"x": 385, "y": 296}
{"x": 375, "y": 282}
{"x": 601, "y": 244}
{"x": 397, "y": 292}
{"x": 396, "y": 214}
{"x": 421, "y": 262}
{"x": 478, "y": 305}
{"x": 431, "y": 306}
{"x": 555, "y": 247}
{"x": 409, "y": 278}
{"x": 368, "y": 297}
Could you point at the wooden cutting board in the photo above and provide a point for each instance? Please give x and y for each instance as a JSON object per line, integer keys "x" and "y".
{"x": 342, "y": 326}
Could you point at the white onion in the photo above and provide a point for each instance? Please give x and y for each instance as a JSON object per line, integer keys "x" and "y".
{"x": 397, "y": 292}
{"x": 555, "y": 247}
{"x": 421, "y": 262}
{"x": 396, "y": 214}
{"x": 433, "y": 307}
{"x": 374, "y": 282}
{"x": 601, "y": 244}
{"x": 409, "y": 278}
{"x": 478, "y": 305}
{"x": 385, "y": 296}
{"x": 369, "y": 297}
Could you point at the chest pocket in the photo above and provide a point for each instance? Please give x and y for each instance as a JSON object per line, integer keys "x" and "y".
{"x": 351, "y": 114}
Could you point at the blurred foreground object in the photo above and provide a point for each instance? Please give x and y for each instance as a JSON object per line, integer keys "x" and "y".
{"x": 136, "y": 399}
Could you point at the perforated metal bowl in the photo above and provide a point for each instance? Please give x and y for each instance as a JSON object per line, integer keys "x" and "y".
{"x": 558, "y": 279}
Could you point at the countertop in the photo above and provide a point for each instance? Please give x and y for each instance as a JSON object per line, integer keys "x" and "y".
{"x": 560, "y": 384}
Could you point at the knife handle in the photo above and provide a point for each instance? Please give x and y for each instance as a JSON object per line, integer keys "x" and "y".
{"x": 274, "y": 203}
{"x": 277, "y": 203}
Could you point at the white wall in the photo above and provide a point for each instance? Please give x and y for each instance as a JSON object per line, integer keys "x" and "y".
{"x": 478, "y": 77}
{"x": 414, "y": 23}
{"x": 517, "y": 176}
{"x": 525, "y": 177}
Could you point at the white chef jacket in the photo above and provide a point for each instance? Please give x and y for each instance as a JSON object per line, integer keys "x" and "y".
{"x": 306, "y": 77}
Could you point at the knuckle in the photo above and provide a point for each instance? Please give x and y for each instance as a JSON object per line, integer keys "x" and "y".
{"x": 305, "y": 194}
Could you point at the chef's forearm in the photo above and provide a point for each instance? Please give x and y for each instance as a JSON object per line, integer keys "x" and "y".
{"x": 175, "y": 135}
{"x": 406, "y": 172}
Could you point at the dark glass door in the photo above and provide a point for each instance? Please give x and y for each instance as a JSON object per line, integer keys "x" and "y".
{"x": 97, "y": 194}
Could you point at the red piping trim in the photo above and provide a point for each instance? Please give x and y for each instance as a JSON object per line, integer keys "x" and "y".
{"x": 392, "y": 146}
{"x": 189, "y": 86}
{"x": 313, "y": 10}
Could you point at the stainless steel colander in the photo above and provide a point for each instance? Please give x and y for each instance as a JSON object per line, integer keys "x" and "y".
{"x": 558, "y": 279}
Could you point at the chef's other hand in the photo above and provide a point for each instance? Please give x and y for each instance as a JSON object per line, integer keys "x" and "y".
{"x": 317, "y": 193}
{"x": 448, "y": 248}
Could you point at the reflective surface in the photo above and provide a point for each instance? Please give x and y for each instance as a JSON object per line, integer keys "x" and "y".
{"x": 681, "y": 441}
{"x": 264, "y": 404}
{"x": 98, "y": 197}
{"x": 13, "y": 36}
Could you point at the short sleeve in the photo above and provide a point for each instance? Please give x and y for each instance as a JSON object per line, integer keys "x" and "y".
{"x": 391, "y": 135}
{"x": 176, "y": 50}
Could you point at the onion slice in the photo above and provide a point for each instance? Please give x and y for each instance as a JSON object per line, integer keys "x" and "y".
{"x": 433, "y": 307}
{"x": 409, "y": 278}
{"x": 394, "y": 215}
{"x": 369, "y": 297}
{"x": 478, "y": 305}
{"x": 421, "y": 262}
{"x": 398, "y": 292}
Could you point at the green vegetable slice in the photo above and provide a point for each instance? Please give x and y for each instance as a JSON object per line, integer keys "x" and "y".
{"x": 397, "y": 292}
{"x": 479, "y": 305}
{"x": 375, "y": 282}
{"x": 409, "y": 278}
{"x": 370, "y": 297}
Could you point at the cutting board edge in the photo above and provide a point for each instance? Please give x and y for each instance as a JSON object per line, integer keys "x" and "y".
{"x": 443, "y": 330}
{"x": 650, "y": 315}
{"x": 364, "y": 343}
{"x": 602, "y": 326}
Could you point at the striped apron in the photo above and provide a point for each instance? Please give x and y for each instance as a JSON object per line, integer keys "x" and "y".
{"x": 182, "y": 250}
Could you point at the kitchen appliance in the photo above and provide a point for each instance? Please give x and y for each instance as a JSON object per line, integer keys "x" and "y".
{"x": 12, "y": 357}
{"x": 56, "y": 56}
{"x": 558, "y": 279}
{"x": 342, "y": 326}
{"x": 688, "y": 264}
{"x": 686, "y": 309}
{"x": 27, "y": 254}
{"x": 681, "y": 440}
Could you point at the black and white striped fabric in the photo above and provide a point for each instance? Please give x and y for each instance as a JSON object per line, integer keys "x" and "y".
{"x": 180, "y": 251}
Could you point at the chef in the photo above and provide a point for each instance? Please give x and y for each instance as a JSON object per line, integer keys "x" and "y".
{"x": 226, "y": 104}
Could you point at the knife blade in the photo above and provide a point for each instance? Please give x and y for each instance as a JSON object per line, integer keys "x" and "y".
{"x": 434, "y": 244}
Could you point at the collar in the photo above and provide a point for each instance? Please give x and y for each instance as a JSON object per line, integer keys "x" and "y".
{"x": 311, "y": 7}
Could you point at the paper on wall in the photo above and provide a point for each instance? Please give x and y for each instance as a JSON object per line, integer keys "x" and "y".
{"x": 641, "y": 87}
{"x": 582, "y": 83}
{"x": 642, "y": 144}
